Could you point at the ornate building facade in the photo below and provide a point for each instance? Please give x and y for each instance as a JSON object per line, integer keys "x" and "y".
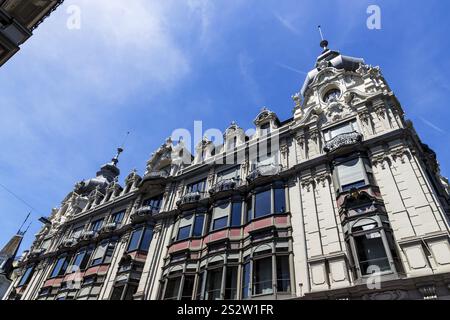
{"x": 18, "y": 19}
{"x": 341, "y": 201}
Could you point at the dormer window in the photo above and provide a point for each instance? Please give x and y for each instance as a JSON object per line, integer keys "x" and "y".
{"x": 265, "y": 129}
{"x": 332, "y": 95}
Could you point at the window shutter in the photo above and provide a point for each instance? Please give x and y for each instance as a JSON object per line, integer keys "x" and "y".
{"x": 350, "y": 172}
{"x": 221, "y": 210}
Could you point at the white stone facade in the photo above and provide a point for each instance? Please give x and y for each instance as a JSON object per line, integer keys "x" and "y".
{"x": 350, "y": 204}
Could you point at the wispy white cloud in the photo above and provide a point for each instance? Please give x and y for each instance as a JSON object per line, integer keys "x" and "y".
{"x": 285, "y": 22}
{"x": 245, "y": 63}
{"x": 433, "y": 126}
{"x": 284, "y": 66}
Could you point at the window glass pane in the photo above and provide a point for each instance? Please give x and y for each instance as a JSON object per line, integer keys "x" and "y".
{"x": 146, "y": 239}
{"x": 220, "y": 223}
{"x": 154, "y": 203}
{"x": 183, "y": 233}
{"x": 58, "y": 267}
{"x": 280, "y": 200}
{"x": 228, "y": 174}
{"x": 236, "y": 214}
{"x": 77, "y": 261}
{"x": 131, "y": 290}
{"x": 263, "y": 204}
{"x": 198, "y": 225}
{"x": 231, "y": 283}
{"x": 134, "y": 240}
{"x": 96, "y": 225}
{"x": 263, "y": 276}
{"x": 109, "y": 252}
{"x": 99, "y": 253}
{"x": 188, "y": 287}
{"x": 345, "y": 128}
{"x": 351, "y": 174}
{"x": 265, "y": 129}
{"x": 249, "y": 205}
{"x": 221, "y": 210}
{"x": 246, "y": 281}
{"x": 371, "y": 252}
{"x": 172, "y": 288}
{"x": 26, "y": 276}
{"x": 201, "y": 276}
{"x": 118, "y": 217}
{"x": 283, "y": 275}
{"x": 214, "y": 284}
{"x": 117, "y": 293}
{"x": 86, "y": 258}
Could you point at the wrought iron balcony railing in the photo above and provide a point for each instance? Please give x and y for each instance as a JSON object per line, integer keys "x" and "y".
{"x": 191, "y": 197}
{"x": 264, "y": 171}
{"x": 342, "y": 140}
{"x": 225, "y": 185}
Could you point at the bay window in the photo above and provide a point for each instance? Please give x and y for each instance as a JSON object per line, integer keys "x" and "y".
{"x": 236, "y": 214}
{"x": 140, "y": 239}
{"x": 199, "y": 186}
{"x": 227, "y": 213}
{"x": 231, "y": 279}
{"x": 267, "y": 200}
{"x": 60, "y": 267}
{"x": 214, "y": 284}
{"x": 81, "y": 259}
{"x": 246, "y": 276}
{"x": 262, "y": 275}
{"x": 354, "y": 173}
{"x": 103, "y": 253}
{"x": 188, "y": 287}
{"x": 283, "y": 274}
{"x": 372, "y": 246}
{"x": 172, "y": 288}
{"x": 191, "y": 224}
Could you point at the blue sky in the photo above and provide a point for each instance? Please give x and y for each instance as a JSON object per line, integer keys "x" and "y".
{"x": 69, "y": 96}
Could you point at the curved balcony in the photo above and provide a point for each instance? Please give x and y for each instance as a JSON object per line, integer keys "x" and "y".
{"x": 191, "y": 198}
{"x": 343, "y": 140}
{"x": 143, "y": 213}
{"x": 88, "y": 235}
{"x": 155, "y": 177}
{"x": 109, "y": 227}
{"x": 225, "y": 186}
{"x": 266, "y": 170}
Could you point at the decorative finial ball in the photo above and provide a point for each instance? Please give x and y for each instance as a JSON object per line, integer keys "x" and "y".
{"x": 324, "y": 44}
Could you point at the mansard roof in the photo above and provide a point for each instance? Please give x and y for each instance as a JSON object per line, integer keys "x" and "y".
{"x": 330, "y": 58}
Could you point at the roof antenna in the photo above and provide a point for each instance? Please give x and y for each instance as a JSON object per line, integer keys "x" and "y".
{"x": 323, "y": 42}
{"x": 115, "y": 160}
{"x": 20, "y": 232}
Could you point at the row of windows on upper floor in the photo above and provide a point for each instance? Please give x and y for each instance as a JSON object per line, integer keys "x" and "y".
{"x": 91, "y": 256}
{"x": 348, "y": 173}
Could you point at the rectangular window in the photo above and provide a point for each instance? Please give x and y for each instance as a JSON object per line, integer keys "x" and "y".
{"x": 97, "y": 225}
{"x": 249, "y": 209}
{"x": 199, "y": 186}
{"x": 231, "y": 283}
{"x": 262, "y": 275}
{"x": 236, "y": 214}
{"x": 283, "y": 275}
{"x": 188, "y": 287}
{"x": 60, "y": 267}
{"x": 133, "y": 245}
{"x": 184, "y": 233}
{"x": 198, "y": 225}
{"x": 280, "y": 200}
{"x": 265, "y": 129}
{"x": 172, "y": 288}
{"x": 103, "y": 253}
{"x": 214, "y": 284}
{"x": 263, "y": 204}
{"x": 201, "y": 277}
{"x": 371, "y": 253}
{"x": 220, "y": 216}
{"x": 26, "y": 276}
{"x": 351, "y": 174}
{"x": 246, "y": 281}
{"x": 154, "y": 203}
{"x": 230, "y": 174}
{"x": 118, "y": 217}
{"x": 341, "y": 129}
{"x": 146, "y": 240}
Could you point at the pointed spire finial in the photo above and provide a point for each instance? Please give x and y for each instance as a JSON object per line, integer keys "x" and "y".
{"x": 115, "y": 160}
{"x": 323, "y": 42}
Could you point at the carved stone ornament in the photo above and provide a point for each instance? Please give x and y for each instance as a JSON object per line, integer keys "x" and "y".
{"x": 342, "y": 140}
{"x": 387, "y": 295}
